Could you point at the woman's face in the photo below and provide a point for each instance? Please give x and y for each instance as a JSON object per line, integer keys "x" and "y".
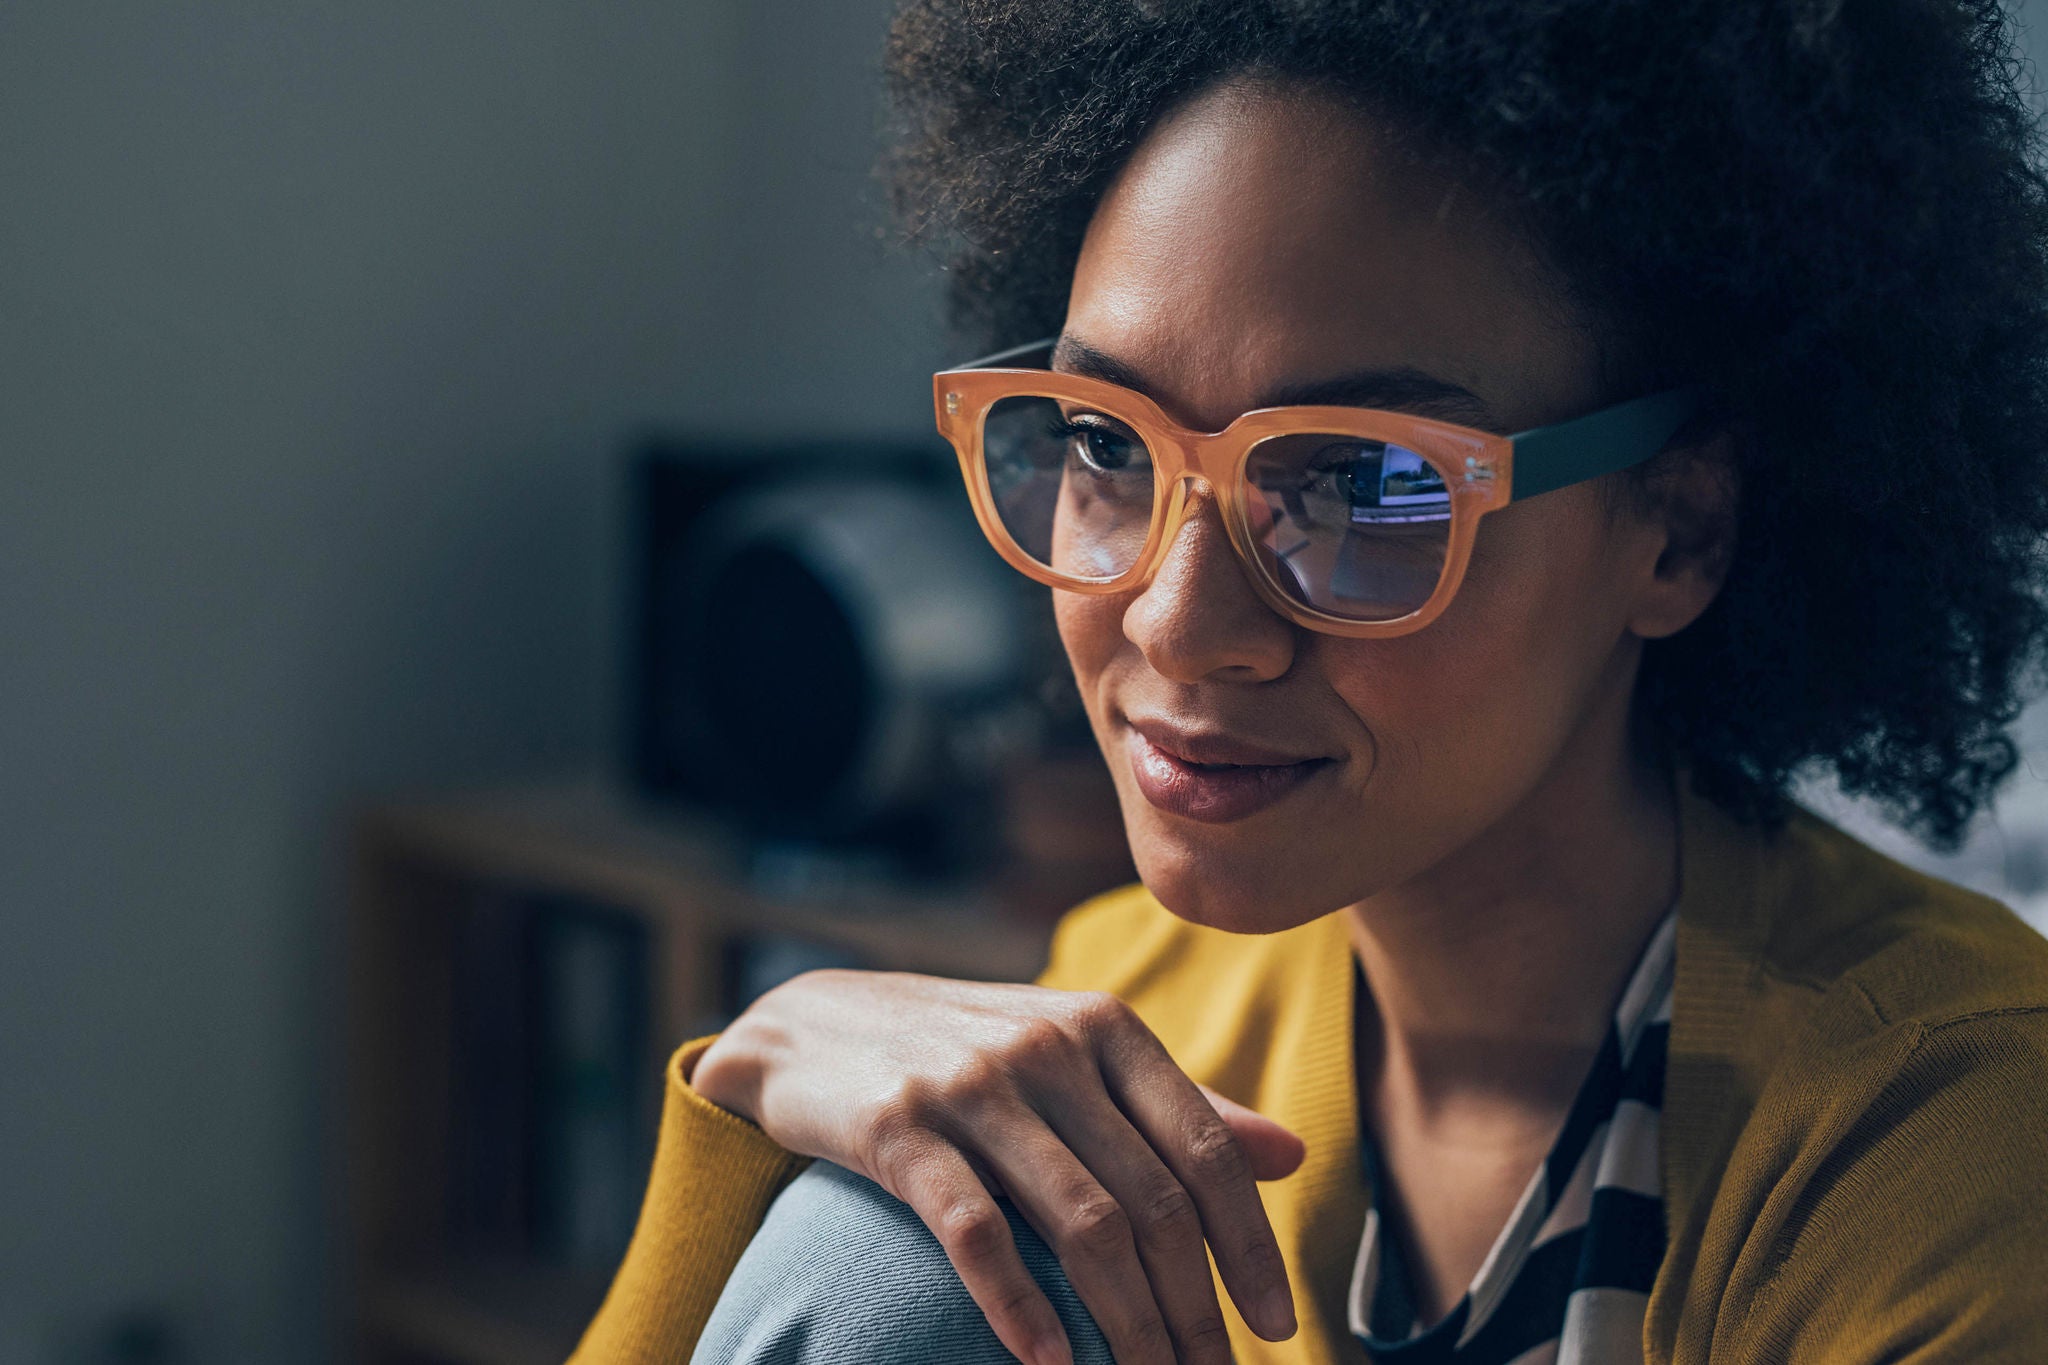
{"x": 1262, "y": 240}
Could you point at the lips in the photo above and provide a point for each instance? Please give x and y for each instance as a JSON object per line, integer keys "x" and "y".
{"x": 1212, "y": 747}
{"x": 1213, "y": 777}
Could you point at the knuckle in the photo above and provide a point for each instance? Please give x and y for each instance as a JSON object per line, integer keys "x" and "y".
{"x": 1100, "y": 1011}
{"x": 1261, "y": 1259}
{"x": 1016, "y": 1302}
{"x": 1039, "y": 1045}
{"x": 1096, "y": 1226}
{"x": 973, "y": 1230}
{"x": 1204, "y": 1340}
{"x": 898, "y": 1124}
{"x": 1165, "y": 1212}
{"x": 1215, "y": 1154}
{"x": 1147, "y": 1338}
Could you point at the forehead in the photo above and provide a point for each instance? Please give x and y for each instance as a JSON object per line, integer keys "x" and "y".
{"x": 1260, "y": 236}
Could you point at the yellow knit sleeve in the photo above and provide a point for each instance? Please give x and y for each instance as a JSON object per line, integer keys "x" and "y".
{"x": 714, "y": 1176}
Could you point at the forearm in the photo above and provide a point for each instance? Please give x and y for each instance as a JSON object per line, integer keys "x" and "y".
{"x": 714, "y": 1176}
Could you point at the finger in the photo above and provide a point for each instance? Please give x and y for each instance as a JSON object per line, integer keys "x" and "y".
{"x": 939, "y": 1184}
{"x": 990, "y": 1181}
{"x": 1163, "y": 1220}
{"x": 1205, "y": 1155}
{"x": 1089, "y": 1232}
{"x": 1275, "y": 1151}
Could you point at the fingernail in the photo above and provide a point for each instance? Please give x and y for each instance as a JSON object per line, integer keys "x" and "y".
{"x": 1276, "y": 1315}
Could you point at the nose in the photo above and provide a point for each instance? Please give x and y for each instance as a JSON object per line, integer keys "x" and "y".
{"x": 1198, "y": 617}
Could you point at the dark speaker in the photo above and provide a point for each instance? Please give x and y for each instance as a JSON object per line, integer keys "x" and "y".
{"x": 825, "y": 648}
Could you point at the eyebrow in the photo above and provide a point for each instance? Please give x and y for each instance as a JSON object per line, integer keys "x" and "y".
{"x": 1401, "y": 388}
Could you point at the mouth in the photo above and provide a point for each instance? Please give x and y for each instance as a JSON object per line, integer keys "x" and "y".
{"x": 1214, "y": 779}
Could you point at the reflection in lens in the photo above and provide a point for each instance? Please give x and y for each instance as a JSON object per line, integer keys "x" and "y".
{"x": 1354, "y": 527}
{"x": 1074, "y": 489}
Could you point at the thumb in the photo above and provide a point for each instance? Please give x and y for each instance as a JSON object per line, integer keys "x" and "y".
{"x": 1274, "y": 1151}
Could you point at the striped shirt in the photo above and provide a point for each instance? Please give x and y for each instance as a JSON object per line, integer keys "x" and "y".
{"x": 1568, "y": 1279}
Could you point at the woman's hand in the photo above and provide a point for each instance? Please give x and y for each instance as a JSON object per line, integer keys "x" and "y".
{"x": 947, "y": 1093}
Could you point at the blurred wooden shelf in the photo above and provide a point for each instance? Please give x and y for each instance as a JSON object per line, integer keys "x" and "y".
{"x": 436, "y": 876}
{"x": 588, "y": 840}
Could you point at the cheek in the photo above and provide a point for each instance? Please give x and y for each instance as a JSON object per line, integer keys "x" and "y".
{"x": 1091, "y": 629}
{"x": 1467, "y": 715}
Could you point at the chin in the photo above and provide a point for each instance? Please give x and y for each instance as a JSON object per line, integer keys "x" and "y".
{"x": 1213, "y": 888}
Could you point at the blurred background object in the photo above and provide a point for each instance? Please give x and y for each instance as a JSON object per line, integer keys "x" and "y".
{"x": 328, "y": 335}
{"x": 825, "y": 650}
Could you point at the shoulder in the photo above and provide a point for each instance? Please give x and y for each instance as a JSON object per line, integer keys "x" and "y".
{"x": 1881, "y": 982}
{"x": 1888, "y": 1034}
{"x": 1908, "y": 946}
{"x": 841, "y": 1270}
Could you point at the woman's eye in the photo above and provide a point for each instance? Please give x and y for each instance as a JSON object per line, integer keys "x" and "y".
{"x": 1102, "y": 449}
{"x": 1340, "y": 469}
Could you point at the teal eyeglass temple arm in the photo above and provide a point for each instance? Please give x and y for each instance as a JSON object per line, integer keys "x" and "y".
{"x": 1614, "y": 438}
{"x": 1556, "y": 456}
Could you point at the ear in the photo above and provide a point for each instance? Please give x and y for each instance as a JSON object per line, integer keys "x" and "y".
{"x": 1688, "y": 502}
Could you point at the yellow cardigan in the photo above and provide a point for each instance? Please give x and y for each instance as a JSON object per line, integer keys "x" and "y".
{"x": 1855, "y": 1122}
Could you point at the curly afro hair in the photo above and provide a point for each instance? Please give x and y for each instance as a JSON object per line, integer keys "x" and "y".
{"x": 1828, "y": 212}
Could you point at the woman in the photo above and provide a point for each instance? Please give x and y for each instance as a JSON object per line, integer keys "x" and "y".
{"x": 1453, "y": 765}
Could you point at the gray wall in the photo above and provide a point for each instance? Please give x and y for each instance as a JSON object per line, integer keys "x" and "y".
{"x": 320, "y": 325}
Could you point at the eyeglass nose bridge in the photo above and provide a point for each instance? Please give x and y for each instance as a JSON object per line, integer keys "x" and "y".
{"x": 1182, "y": 503}
{"x": 1206, "y": 460}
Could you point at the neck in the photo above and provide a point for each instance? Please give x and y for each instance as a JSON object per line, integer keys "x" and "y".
{"x": 1493, "y": 976}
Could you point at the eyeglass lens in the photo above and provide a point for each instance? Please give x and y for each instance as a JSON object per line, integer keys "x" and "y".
{"x": 1354, "y": 528}
{"x": 1075, "y": 492}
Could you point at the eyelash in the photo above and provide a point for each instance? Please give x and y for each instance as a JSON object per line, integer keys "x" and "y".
{"x": 1066, "y": 428}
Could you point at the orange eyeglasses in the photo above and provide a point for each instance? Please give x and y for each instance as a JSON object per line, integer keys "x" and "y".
{"x": 1353, "y": 521}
